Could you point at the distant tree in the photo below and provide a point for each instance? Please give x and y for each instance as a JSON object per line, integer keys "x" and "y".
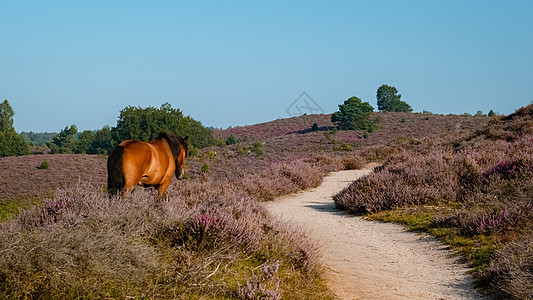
{"x": 491, "y": 113}
{"x": 479, "y": 113}
{"x": 146, "y": 123}
{"x": 11, "y": 143}
{"x": 353, "y": 114}
{"x": 388, "y": 99}
{"x": 38, "y": 138}
{"x": 83, "y": 141}
{"x": 65, "y": 141}
{"x": 102, "y": 142}
{"x": 314, "y": 127}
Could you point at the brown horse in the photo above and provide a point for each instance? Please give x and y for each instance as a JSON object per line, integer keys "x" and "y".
{"x": 148, "y": 164}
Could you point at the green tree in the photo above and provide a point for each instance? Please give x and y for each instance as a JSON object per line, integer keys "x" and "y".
{"x": 353, "y": 114}
{"x": 65, "y": 141}
{"x": 84, "y": 141}
{"x": 388, "y": 99}
{"x": 102, "y": 142}
{"x": 491, "y": 113}
{"x": 146, "y": 123}
{"x": 11, "y": 143}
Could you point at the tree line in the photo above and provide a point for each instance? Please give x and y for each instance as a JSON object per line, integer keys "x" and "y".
{"x": 133, "y": 123}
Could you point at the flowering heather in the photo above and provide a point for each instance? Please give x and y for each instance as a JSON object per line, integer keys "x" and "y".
{"x": 480, "y": 184}
{"x": 211, "y": 238}
{"x": 21, "y": 177}
{"x": 281, "y": 179}
{"x": 505, "y": 169}
{"x": 262, "y": 286}
{"x": 409, "y": 180}
{"x": 478, "y": 220}
{"x": 510, "y": 270}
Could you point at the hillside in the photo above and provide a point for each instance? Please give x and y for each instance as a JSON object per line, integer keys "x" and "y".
{"x": 282, "y": 140}
{"x": 210, "y": 238}
{"x": 473, "y": 192}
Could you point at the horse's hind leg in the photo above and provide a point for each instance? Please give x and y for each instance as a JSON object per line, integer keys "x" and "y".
{"x": 129, "y": 183}
{"x": 162, "y": 188}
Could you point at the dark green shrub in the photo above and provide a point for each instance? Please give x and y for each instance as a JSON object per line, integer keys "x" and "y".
{"x": 44, "y": 166}
{"x": 205, "y": 168}
{"x": 231, "y": 140}
{"x": 258, "y": 148}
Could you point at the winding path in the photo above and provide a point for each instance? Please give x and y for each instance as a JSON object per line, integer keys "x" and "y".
{"x": 373, "y": 260}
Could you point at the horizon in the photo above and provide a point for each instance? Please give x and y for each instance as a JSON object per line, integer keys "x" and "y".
{"x": 237, "y": 64}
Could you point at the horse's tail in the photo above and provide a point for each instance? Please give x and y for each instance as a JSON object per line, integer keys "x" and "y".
{"x": 115, "y": 174}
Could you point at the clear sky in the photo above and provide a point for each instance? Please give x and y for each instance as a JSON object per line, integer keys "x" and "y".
{"x": 230, "y": 63}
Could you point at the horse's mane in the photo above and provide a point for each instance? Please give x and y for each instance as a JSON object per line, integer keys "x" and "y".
{"x": 174, "y": 142}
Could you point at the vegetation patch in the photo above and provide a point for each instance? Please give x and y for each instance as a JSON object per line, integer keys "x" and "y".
{"x": 479, "y": 190}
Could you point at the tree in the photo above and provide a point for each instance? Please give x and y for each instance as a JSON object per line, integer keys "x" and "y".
{"x": 65, "y": 141}
{"x": 102, "y": 142}
{"x": 84, "y": 141}
{"x": 11, "y": 143}
{"x": 146, "y": 123}
{"x": 353, "y": 114}
{"x": 388, "y": 99}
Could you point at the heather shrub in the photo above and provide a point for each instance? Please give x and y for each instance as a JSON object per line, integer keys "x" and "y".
{"x": 510, "y": 270}
{"x": 281, "y": 179}
{"x": 489, "y": 218}
{"x": 353, "y": 162}
{"x": 72, "y": 247}
{"x": 81, "y": 243}
{"x": 327, "y": 162}
{"x": 477, "y": 193}
{"x": 411, "y": 179}
{"x": 264, "y": 285}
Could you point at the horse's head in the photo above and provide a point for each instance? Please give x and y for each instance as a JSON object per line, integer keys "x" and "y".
{"x": 179, "y": 148}
{"x": 180, "y": 159}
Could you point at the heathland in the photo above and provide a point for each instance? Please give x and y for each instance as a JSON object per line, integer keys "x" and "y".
{"x": 464, "y": 179}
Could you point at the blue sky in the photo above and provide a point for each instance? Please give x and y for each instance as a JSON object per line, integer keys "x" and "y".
{"x": 230, "y": 63}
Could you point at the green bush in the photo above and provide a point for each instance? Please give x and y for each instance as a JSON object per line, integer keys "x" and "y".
{"x": 205, "y": 168}
{"x": 231, "y": 140}
{"x": 240, "y": 150}
{"x": 44, "y": 166}
{"x": 257, "y": 148}
{"x": 193, "y": 151}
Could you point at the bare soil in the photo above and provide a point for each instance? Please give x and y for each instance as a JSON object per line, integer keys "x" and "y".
{"x": 373, "y": 260}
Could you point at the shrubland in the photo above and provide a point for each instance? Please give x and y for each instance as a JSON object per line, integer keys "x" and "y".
{"x": 474, "y": 192}
{"x": 211, "y": 238}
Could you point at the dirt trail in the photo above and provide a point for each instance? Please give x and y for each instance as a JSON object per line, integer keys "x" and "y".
{"x": 373, "y": 260}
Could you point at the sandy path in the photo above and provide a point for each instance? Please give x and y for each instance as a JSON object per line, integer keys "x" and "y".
{"x": 373, "y": 260}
